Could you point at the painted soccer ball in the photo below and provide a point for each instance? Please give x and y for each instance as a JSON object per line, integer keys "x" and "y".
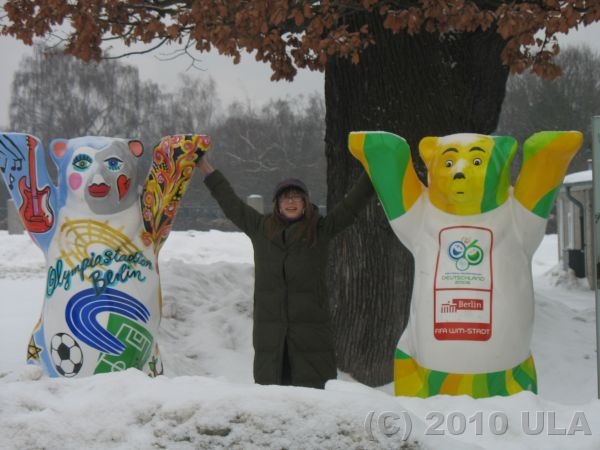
{"x": 66, "y": 355}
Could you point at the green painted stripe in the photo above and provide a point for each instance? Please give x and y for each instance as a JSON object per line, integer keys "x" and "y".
{"x": 496, "y": 383}
{"x": 544, "y": 206}
{"x": 497, "y": 176}
{"x": 388, "y": 156}
{"x": 492, "y": 183}
{"x": 480, "y": 386}
{"x": 528, "y": 366}
{"x": 524, "y": 379}
{"x": 399, "y": 354}
{"x": 435, "y": 380}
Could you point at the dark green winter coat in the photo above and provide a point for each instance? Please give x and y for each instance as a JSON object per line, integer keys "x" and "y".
{"x": 290, "y": 298}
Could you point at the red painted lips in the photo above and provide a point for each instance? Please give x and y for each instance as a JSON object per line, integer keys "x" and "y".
{"x": 99, "y": 190}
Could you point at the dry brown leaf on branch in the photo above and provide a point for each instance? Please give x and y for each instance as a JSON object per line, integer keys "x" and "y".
{"x": 298, "y": 17}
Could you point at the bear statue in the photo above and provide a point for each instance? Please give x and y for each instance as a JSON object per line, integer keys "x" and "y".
{"x": 472, "y": 236}
{"x": 101, "y": 226}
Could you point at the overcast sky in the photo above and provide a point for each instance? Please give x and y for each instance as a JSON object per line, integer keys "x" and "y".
{"x": 247, "y": 80}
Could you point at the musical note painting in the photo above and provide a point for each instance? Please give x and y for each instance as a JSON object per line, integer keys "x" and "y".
{"x": 101, "y": 226}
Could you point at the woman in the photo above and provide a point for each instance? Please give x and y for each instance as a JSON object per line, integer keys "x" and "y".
{"x": 292, "y": 335}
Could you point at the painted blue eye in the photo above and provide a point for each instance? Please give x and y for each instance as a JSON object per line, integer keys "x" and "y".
{"x": 113, "y": 164}
{"x": 81, "y": 162}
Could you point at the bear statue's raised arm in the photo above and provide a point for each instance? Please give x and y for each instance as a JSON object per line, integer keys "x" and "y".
{"x": 546, "y": 157}
{"x": 173, "y": 162}
{"x": 387, "y": 159}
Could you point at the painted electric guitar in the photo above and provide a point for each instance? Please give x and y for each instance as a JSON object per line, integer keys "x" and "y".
{"x": 35, "y": 210}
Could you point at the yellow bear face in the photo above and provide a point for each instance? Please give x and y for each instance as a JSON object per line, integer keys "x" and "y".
{"x": 467, "y": 173}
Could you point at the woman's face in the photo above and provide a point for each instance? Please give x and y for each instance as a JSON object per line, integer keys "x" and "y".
{"x": 291, "y": 204}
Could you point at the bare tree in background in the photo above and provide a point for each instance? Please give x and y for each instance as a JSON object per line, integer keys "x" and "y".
{"x": 564, "y": 103}
{"x": 258, "y": 148}
{"x": 55, "y": 93}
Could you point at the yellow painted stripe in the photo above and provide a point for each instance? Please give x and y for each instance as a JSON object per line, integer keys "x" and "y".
{"x": 512, "y": 387}
{"x": 545, "y": 170}
{"x": 451, "y": 384}
{"x": 408, "y": 380}
{"x": 411, "y": 187}
{"x": 356, "y": 145}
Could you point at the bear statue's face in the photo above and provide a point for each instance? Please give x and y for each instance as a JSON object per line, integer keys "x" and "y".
{"x": 102, "y": 174}
{"x": 467, "y": 173}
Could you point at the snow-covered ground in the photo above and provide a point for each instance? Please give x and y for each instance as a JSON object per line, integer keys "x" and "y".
{"x": 207, "y": 398}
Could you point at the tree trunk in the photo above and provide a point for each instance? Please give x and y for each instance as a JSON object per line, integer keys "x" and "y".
{"x": 424, "y": 85}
